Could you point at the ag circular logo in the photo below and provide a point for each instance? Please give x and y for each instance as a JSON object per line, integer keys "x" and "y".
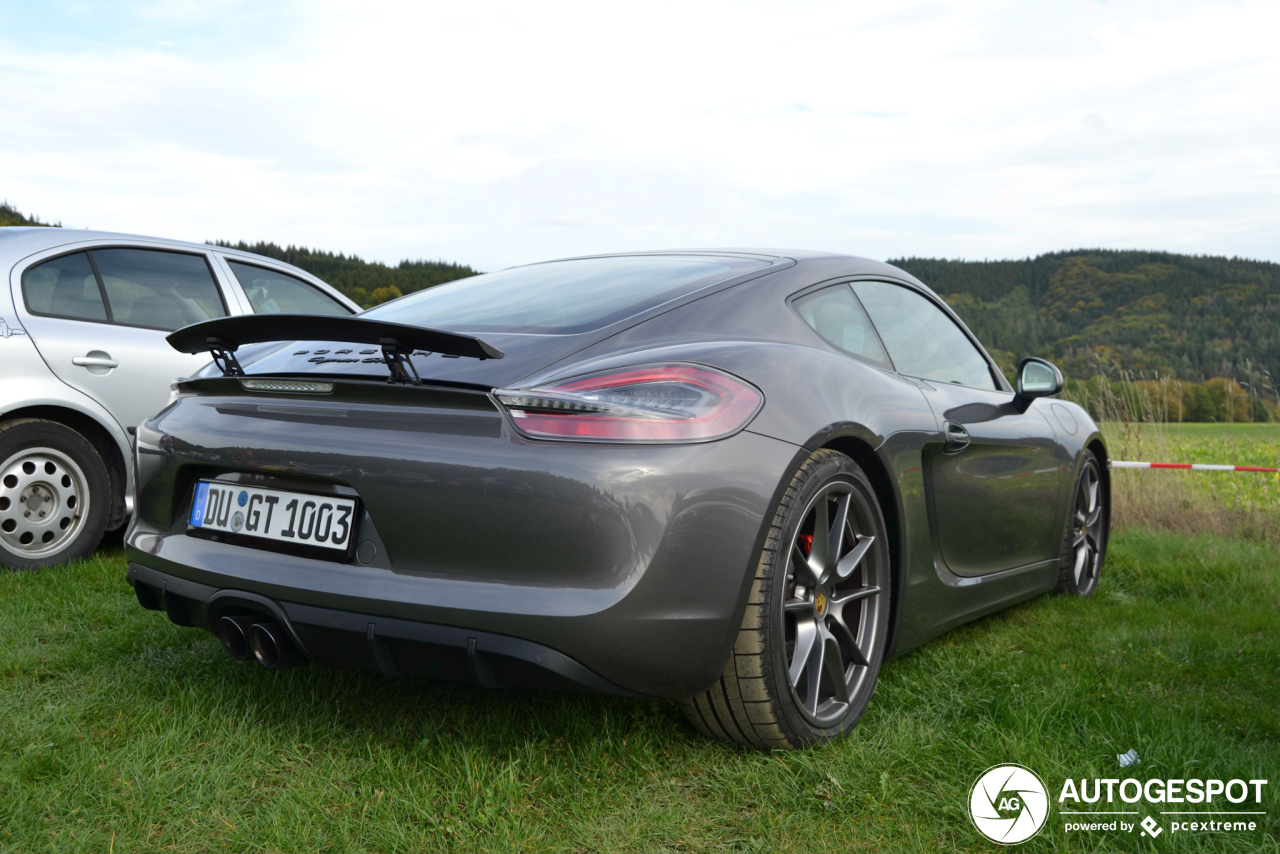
{"x": 1009, "y": 804}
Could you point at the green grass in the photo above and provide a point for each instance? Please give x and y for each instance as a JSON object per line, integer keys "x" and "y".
{"x": 1235, "y": 504}
{"x": 1231, "y": 444}
{"x": 120, "y": 730}
{"x": 1227, "y": 444}
{"x": 1261, "y": 430}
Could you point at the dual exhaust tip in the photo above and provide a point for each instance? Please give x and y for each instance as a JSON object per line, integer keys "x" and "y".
{"x": 267, "y": 642}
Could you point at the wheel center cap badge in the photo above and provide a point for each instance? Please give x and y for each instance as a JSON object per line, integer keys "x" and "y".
{"x": 820, "y": 603}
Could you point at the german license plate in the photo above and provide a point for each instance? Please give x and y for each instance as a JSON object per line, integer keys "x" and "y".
{"x": 301, "y": 518}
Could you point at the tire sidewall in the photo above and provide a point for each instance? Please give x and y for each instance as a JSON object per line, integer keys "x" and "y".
{"x": 26, "y": 434}
{"x": 843, "y": 469}
{"x": 1067, "y": 580}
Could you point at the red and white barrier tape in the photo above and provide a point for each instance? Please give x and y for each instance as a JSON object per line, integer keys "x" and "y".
{"x": 1120, "y": 464}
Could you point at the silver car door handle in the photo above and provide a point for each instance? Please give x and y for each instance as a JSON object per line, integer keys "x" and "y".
{"x": 94, "y": 362}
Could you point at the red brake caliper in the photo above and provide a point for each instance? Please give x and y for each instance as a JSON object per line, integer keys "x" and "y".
{"x": 806, "y": 543}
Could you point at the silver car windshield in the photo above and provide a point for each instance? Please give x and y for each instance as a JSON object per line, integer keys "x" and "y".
{"x": 562, "y": 296}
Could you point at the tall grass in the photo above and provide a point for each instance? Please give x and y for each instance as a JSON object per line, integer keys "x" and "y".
{"x": 1139, "y": 425}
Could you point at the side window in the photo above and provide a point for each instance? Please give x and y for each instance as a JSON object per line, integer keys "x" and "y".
{"x": 835, "y": 315}
{"x": 64, "y": 287}
{"x": 922, "y": 341}
{"x": 270, "y": 292}
{"x": 158, "y": 290}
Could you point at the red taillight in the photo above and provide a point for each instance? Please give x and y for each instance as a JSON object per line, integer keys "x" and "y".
{"x": 654, "y": 403}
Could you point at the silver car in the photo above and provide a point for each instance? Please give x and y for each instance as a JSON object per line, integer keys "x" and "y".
{"x": 83, "y": 361}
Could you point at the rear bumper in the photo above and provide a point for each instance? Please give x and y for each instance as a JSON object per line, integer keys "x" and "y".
{"x": 630, "y": 565}
{"x": 348, "y": 640}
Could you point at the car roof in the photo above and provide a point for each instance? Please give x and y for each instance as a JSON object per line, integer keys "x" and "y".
{"x": 20, "y": 241}
{"x": 823, "y": 263}
{"x": 30, "y": 238}
{"x": 794, "y": 254}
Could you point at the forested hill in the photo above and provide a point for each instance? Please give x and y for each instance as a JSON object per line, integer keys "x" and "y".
{"x": 366, "y": 282}
{"x": 1189, "y": 316}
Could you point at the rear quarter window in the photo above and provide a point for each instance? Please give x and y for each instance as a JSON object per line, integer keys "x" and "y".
{"x": 836, "y": 315}
{"x": 64, "y": 287}
{"x": 271, "y": 292}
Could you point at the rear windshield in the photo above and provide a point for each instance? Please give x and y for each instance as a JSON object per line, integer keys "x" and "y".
{"x": 561, "y": 296}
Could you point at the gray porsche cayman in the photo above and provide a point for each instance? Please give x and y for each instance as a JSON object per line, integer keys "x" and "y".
{"x": 735, "y": 479}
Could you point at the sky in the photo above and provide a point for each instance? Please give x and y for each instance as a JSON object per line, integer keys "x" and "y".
{"x": 495, "y": 133}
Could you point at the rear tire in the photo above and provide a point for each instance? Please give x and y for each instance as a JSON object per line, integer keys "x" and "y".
{"x": 813, "y": 636}
{"x": 55, "y": 494}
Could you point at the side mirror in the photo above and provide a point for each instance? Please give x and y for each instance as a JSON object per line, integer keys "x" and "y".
{"x": 1036, "y": 378}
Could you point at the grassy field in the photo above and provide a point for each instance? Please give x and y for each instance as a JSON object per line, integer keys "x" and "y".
{"x": 1235, "y": 504}
{"x": 120, "y": 730}
{"x": 1265, "y": 432}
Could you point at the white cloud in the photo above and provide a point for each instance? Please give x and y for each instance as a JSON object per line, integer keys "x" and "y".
{"x": 495, "y": 133}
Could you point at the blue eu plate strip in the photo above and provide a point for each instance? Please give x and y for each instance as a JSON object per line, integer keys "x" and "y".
{"x": 197, "y": 509}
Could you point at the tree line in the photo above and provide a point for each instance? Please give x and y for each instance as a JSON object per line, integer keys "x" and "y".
{"x": 9, "y": 215}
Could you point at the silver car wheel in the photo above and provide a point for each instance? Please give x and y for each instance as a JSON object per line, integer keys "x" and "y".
{"x": 44, "y": 502}
{"x": 829, "y": 615}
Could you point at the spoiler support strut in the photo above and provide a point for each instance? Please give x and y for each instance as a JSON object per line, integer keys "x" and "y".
{"x": 399, "y": 363}
{"x": 224, "y": 356}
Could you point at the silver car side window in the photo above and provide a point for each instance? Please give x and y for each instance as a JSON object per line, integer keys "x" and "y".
{"x": 64, "y": 287}
{"x": 158, "y": 290}
{"x": 270, "y": 292}
{"x": 922, "y": 340}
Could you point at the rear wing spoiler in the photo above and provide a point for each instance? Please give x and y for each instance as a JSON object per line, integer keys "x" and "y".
{"x": 222, "y": 337}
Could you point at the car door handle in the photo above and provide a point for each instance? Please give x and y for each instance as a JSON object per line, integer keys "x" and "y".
{"x": 957, "y": 437}
{"x": 95, "y": 361}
